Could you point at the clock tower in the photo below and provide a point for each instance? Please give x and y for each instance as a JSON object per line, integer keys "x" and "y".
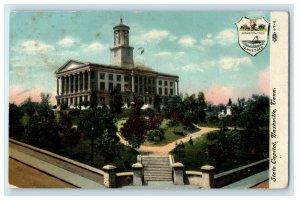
{"x": 121, "y": 54}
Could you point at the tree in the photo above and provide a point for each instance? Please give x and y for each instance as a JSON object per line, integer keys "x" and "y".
{"x": 71, "y": 137}
{"x": 93, "y": 100}
{"x": 154, "y": 122}
{"x": 135, "y": 129}
{"x": 115, "y": 101}
{"x": 255, "y": 115}
{"x": 28, "y": 107}
{"x": 157, "y": 102}
{"x": 15, "y": 115}
{"x": 94, "y": 124}
{"x": 201, "y": 105}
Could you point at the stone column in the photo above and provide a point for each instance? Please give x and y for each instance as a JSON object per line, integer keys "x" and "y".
{"x": 132, "y": 82}
{"x": 137, "y": 169}
{"x": 69, "y": 84}
{"x": 65, "y": 85}
{"x": 79, "y": 80}
{"x": 74, "y": 78}
{"x": 89, "y": 80}
{"x": 208, "y": 176}
{"x": 83, "y": 84}
{"x": 177, "y": 90}
{"x": 60, "y": 86}
{"x": 109, "y": 176}
{"x": 178, "y": 173}
{"x": 57, "y": 86}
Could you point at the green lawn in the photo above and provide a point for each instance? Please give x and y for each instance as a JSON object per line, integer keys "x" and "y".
{"x": 169, "y": 134}
{"x": 223, "y": 151}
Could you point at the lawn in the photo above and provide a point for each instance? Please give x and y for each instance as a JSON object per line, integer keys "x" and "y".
{"x": 169, "y": 133}
{"x": 223, "y": 151}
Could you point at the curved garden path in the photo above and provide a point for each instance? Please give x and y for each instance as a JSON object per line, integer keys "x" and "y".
{"x": 164, "y": 150}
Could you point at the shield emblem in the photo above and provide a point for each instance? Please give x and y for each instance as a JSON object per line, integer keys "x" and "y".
{"x": 253, "y": 34}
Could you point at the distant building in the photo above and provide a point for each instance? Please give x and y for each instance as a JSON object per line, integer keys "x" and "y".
{"x": 76, "y": 80}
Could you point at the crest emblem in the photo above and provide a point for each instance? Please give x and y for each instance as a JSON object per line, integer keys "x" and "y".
{"x": 253, "y": 34}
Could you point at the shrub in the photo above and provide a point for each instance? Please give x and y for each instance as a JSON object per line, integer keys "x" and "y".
{"x": 149, "y": 112}
{"x": 154, "y": 122}
{"x": 74, "y": 112}
{"x": 152, "y": 134}
{"x": 212, "y": 136}
{"x": 173, "y": 123}
{"x": 182, "y": 133}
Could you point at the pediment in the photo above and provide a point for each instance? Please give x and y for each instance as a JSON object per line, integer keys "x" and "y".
{"x": 70, "y": 65}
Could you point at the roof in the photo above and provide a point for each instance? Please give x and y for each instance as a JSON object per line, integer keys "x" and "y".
{"x": 76, "y": 64}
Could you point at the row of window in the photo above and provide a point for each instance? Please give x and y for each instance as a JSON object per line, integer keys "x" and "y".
{"x": 166, "y": 91}
{"x": 140, "y": 79}
{"x": 165, "y": 83}
{"x": 111, "y": 77}
{"x": 110, "y": 86}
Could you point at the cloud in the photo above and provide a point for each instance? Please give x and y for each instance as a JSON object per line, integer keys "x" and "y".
{"x": 208, "y": 40}
{"x": 226, "y": 37}
{"x": 32, "y": 47}
{"x": 187, "y": 41}
{"x": 180, "y": 54}
{"x": 192, "y": 68}
{"x": 172, "y": 38}
{"x": 66, "y": 42}
{"x": 264, "y": 81}
{"x": 153, "y": 35}
{"x": 95, "y": 46}
{"x": 168, "y": 53}
{"x": 163, "y": 54}
{"x": 233, "y": 63}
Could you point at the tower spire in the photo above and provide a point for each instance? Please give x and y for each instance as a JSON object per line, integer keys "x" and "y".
{"x": 121, "y": 20}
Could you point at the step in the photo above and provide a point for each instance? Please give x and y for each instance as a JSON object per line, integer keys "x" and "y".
{"x": 157, "y": 173}
{"x": 154, "y": 178}
{"x": 157, "y": 169}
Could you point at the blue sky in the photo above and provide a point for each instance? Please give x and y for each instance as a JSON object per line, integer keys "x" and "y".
{"x": 200, "y": 47}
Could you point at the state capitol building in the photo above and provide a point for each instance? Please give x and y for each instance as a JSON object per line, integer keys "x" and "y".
{"x": 76, "y": 79}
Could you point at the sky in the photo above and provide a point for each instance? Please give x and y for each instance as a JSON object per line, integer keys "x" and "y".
{"x": 200, "y": 47}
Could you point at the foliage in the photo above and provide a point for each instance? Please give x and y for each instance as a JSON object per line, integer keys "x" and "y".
{"x": 149, "y": 112}
{"x": 15, "y": 115}
{"x": 155, "y": 133}
{"x": 28, "y": 107}
{"x": 99, "y": 126}
{"x": 93, "y": 100}
{"x": 154, "y": 122}
{"x": 115, "y": 101}
{"x": 134, "y": 130}
{"x": 172, "y": 123}
{"x": 157, "y": 102}
{"x": 181, "y": 133}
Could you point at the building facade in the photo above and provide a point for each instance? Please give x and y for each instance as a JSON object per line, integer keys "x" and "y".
{"x": 76, "y": 80}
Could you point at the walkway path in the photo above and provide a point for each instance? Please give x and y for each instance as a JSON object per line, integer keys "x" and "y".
{"x": 164, "y": 150}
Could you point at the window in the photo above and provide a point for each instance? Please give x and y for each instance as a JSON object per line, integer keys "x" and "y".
{"x": 126, "y": 78}
{"x": 149, "y": 81}
{"x": 153, "y": 81}
{"x": 92, "y": 74}
{"x": 102, "y": 86}
{"x": 159, "y": 82}
{"x": 136, "y": 79}
{"x": 150, "y": 100}
{"x": 118, "y": 77}
{"x": 160, "y": 91}
{"x": 102, "y": 99}
{"x": 171, "y": 91}
{"x": 171, "y": 83}
{"x": 166, "y": 91}
{"x": 102, "y": 76}
{"x": 119, "y": 86}
{"x": 153, "y": 90}
{"x": 111, "y": 77}
{"x": 166, "y": 83}
{"x": 110, "y": 86}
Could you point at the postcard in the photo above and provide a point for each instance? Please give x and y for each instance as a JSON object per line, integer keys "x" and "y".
{"x": 148, "y": 99}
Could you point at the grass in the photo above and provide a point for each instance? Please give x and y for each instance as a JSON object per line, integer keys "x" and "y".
{"x": 224, "y": 152}
{"x": 169, "y": 133}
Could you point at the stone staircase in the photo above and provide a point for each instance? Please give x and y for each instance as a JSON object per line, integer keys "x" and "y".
{"x": 157, "y": 168}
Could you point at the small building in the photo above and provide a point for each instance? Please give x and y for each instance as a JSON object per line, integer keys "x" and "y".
{"x": 76, "y": 79}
